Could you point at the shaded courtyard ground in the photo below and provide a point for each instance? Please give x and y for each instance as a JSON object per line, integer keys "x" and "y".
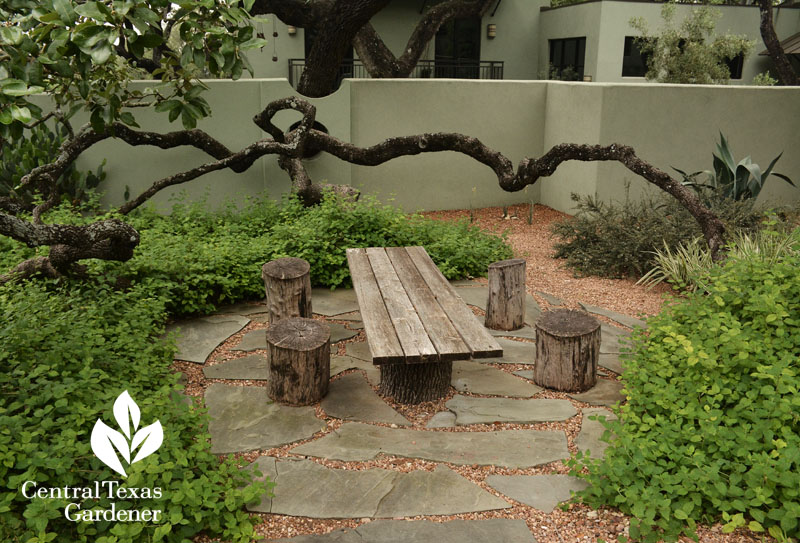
{"x": 491, "y": 451}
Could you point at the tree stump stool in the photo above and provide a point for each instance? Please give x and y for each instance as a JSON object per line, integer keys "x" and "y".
{"x": 567, "y": 349}
{"x": 287, "y": 284}
{"x": 299, "y": 361}
{"x": 415, "y": 383}
{"x": 505, "y": 309}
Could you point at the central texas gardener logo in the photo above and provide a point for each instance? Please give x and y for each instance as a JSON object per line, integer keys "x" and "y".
{"x": 107, "y": 442}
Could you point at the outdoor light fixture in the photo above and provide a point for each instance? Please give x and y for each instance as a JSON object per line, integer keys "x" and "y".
{"x": 291, "y": 30}
{"x": 491, "y": 31}
{"x": 587, "y": 78}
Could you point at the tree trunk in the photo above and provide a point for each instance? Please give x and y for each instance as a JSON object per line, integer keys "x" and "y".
{"x": 299, "y": 361}
{"x": 505, "y": 309}
{"x": 567, "y": 349}
{"x": 415, "y": 383}
{"x": 287, "y": 284}
{"x": 783, "y": 67}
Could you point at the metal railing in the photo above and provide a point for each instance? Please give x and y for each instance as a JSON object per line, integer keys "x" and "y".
{"x": 425, "y": 69}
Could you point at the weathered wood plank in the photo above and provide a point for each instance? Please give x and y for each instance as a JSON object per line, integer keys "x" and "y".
{"x": 441, "y": 331}
{"x": 413, "y": 337}
{"x": 383, "y": 341}
{"x": 482, "y": 344}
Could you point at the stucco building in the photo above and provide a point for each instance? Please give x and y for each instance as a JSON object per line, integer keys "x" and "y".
{"x": 522, "y": 39}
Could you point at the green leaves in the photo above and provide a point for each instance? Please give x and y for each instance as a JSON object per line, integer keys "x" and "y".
{"x": 69, "y": 49}
{"x": 726, "y": 445}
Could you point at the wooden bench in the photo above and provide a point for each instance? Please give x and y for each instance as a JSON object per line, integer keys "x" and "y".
{"x": 416, "y": 324}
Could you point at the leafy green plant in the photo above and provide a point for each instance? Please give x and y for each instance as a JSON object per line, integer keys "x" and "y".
{"x": 690, "y": 52}
{"x": 764, "y": 80}
{"x": 710, "y": 430}
{"x": 737, "y": 181}
{"x": 68, "y": 351}
{"x": 40, "y": 147}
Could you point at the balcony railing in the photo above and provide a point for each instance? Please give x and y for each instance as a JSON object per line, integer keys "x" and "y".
{"x": 438, "y": 69}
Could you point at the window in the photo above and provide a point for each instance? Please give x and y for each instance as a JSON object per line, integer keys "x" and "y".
{"x": 634, "y": 62}
{"x": 567, "y": 58}
{"x": 458, "y": 48}
{"x": 735, "y": 65}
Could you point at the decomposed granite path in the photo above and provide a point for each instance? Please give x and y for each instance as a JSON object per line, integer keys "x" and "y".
{"x": 333, "y": 459}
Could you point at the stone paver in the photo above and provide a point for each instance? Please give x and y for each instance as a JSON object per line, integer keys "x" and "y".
{"x": 610, "y": 339}
{"x": 427, "y": 531}
{"x": 442, "y": 419}
{"x": 251, "y": 341}
{"x": 480, "y": 295}
{"x": 342, "y": 363}
{"x": 374, "y": 493}
{"x": 605, "y": 392}
{"x": 359, "y": 442}
{"x": 245, "y": 419}
{"x": 624, "y": 320}
{"x": 199, "y": 337}
{"x": 550, "y": 299}
{"x": 325, "y": 301}
{"x": 255, "y": 367}
{"x": 339, "y": 332}
{"x": 471, "y": 410}
{"x": 243, "y": 308}
{"x": 514, "y": 352}
{"x": 591, "y": 430}
{"x": 526, "y": 332}
{"x": 542, "y": 492}
{"x": 354, "y": 316}
{"x": 359, "y": 350}
{"x": 477, "y": 378}
{"x": 351, "y": 398}
{"x": 527, "y": 374}
{"x": 611, "y": 362}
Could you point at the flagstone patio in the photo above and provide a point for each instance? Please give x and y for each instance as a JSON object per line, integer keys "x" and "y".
{"x": 488, "y": 392}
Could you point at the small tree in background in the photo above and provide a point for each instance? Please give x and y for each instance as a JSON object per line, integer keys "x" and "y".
{"x": 687, "y": 53}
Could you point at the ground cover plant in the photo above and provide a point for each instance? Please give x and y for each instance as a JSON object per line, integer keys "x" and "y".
{"x": 711, "y": 428}
{"x": 70, "y": 347}
{"x": 68, "y": 351}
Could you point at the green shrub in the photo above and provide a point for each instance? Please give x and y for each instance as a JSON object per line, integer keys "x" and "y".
{"x": 711, "y": 428}
{"x": 67, "y": 353}
{"x": 40, "y": 147}
{"x": 620, "y": 240}
{"x": 199, "y": 259}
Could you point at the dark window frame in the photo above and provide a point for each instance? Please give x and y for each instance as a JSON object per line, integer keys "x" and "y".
{"x": 634, "y": 63}
{"x": 574, "y": 47}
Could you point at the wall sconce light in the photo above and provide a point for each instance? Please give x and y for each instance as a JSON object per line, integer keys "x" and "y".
{"x": 587, "y": 78}
{"x": 491, "y": 31}
{"x": 291, "y": 30}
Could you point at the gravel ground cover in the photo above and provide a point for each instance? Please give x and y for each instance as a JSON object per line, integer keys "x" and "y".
{"x": 577, "y": 523}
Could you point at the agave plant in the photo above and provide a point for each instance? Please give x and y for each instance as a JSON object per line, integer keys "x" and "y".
{"x": 738, "y": 182}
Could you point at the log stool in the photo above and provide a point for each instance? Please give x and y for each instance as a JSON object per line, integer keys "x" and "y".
{"x": 567, "y": 349}
{"x": 505, "y": 309}
{"x": 287, "y": 284}
{"x": 299, "y": 361}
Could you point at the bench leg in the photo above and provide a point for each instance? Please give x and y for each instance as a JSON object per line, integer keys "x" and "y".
{"x": 416, "y": 383}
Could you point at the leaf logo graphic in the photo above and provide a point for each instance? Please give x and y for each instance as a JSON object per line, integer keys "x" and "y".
{"x": 109, "y": 444}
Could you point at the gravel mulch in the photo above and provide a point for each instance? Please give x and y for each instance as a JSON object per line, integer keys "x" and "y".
{"x": 578, "y": 523}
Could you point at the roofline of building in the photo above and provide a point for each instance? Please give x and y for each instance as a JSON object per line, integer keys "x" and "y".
{"x": 549, "y": 8}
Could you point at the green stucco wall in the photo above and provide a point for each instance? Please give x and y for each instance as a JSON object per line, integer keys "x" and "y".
{"x": 668, "y": 125}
